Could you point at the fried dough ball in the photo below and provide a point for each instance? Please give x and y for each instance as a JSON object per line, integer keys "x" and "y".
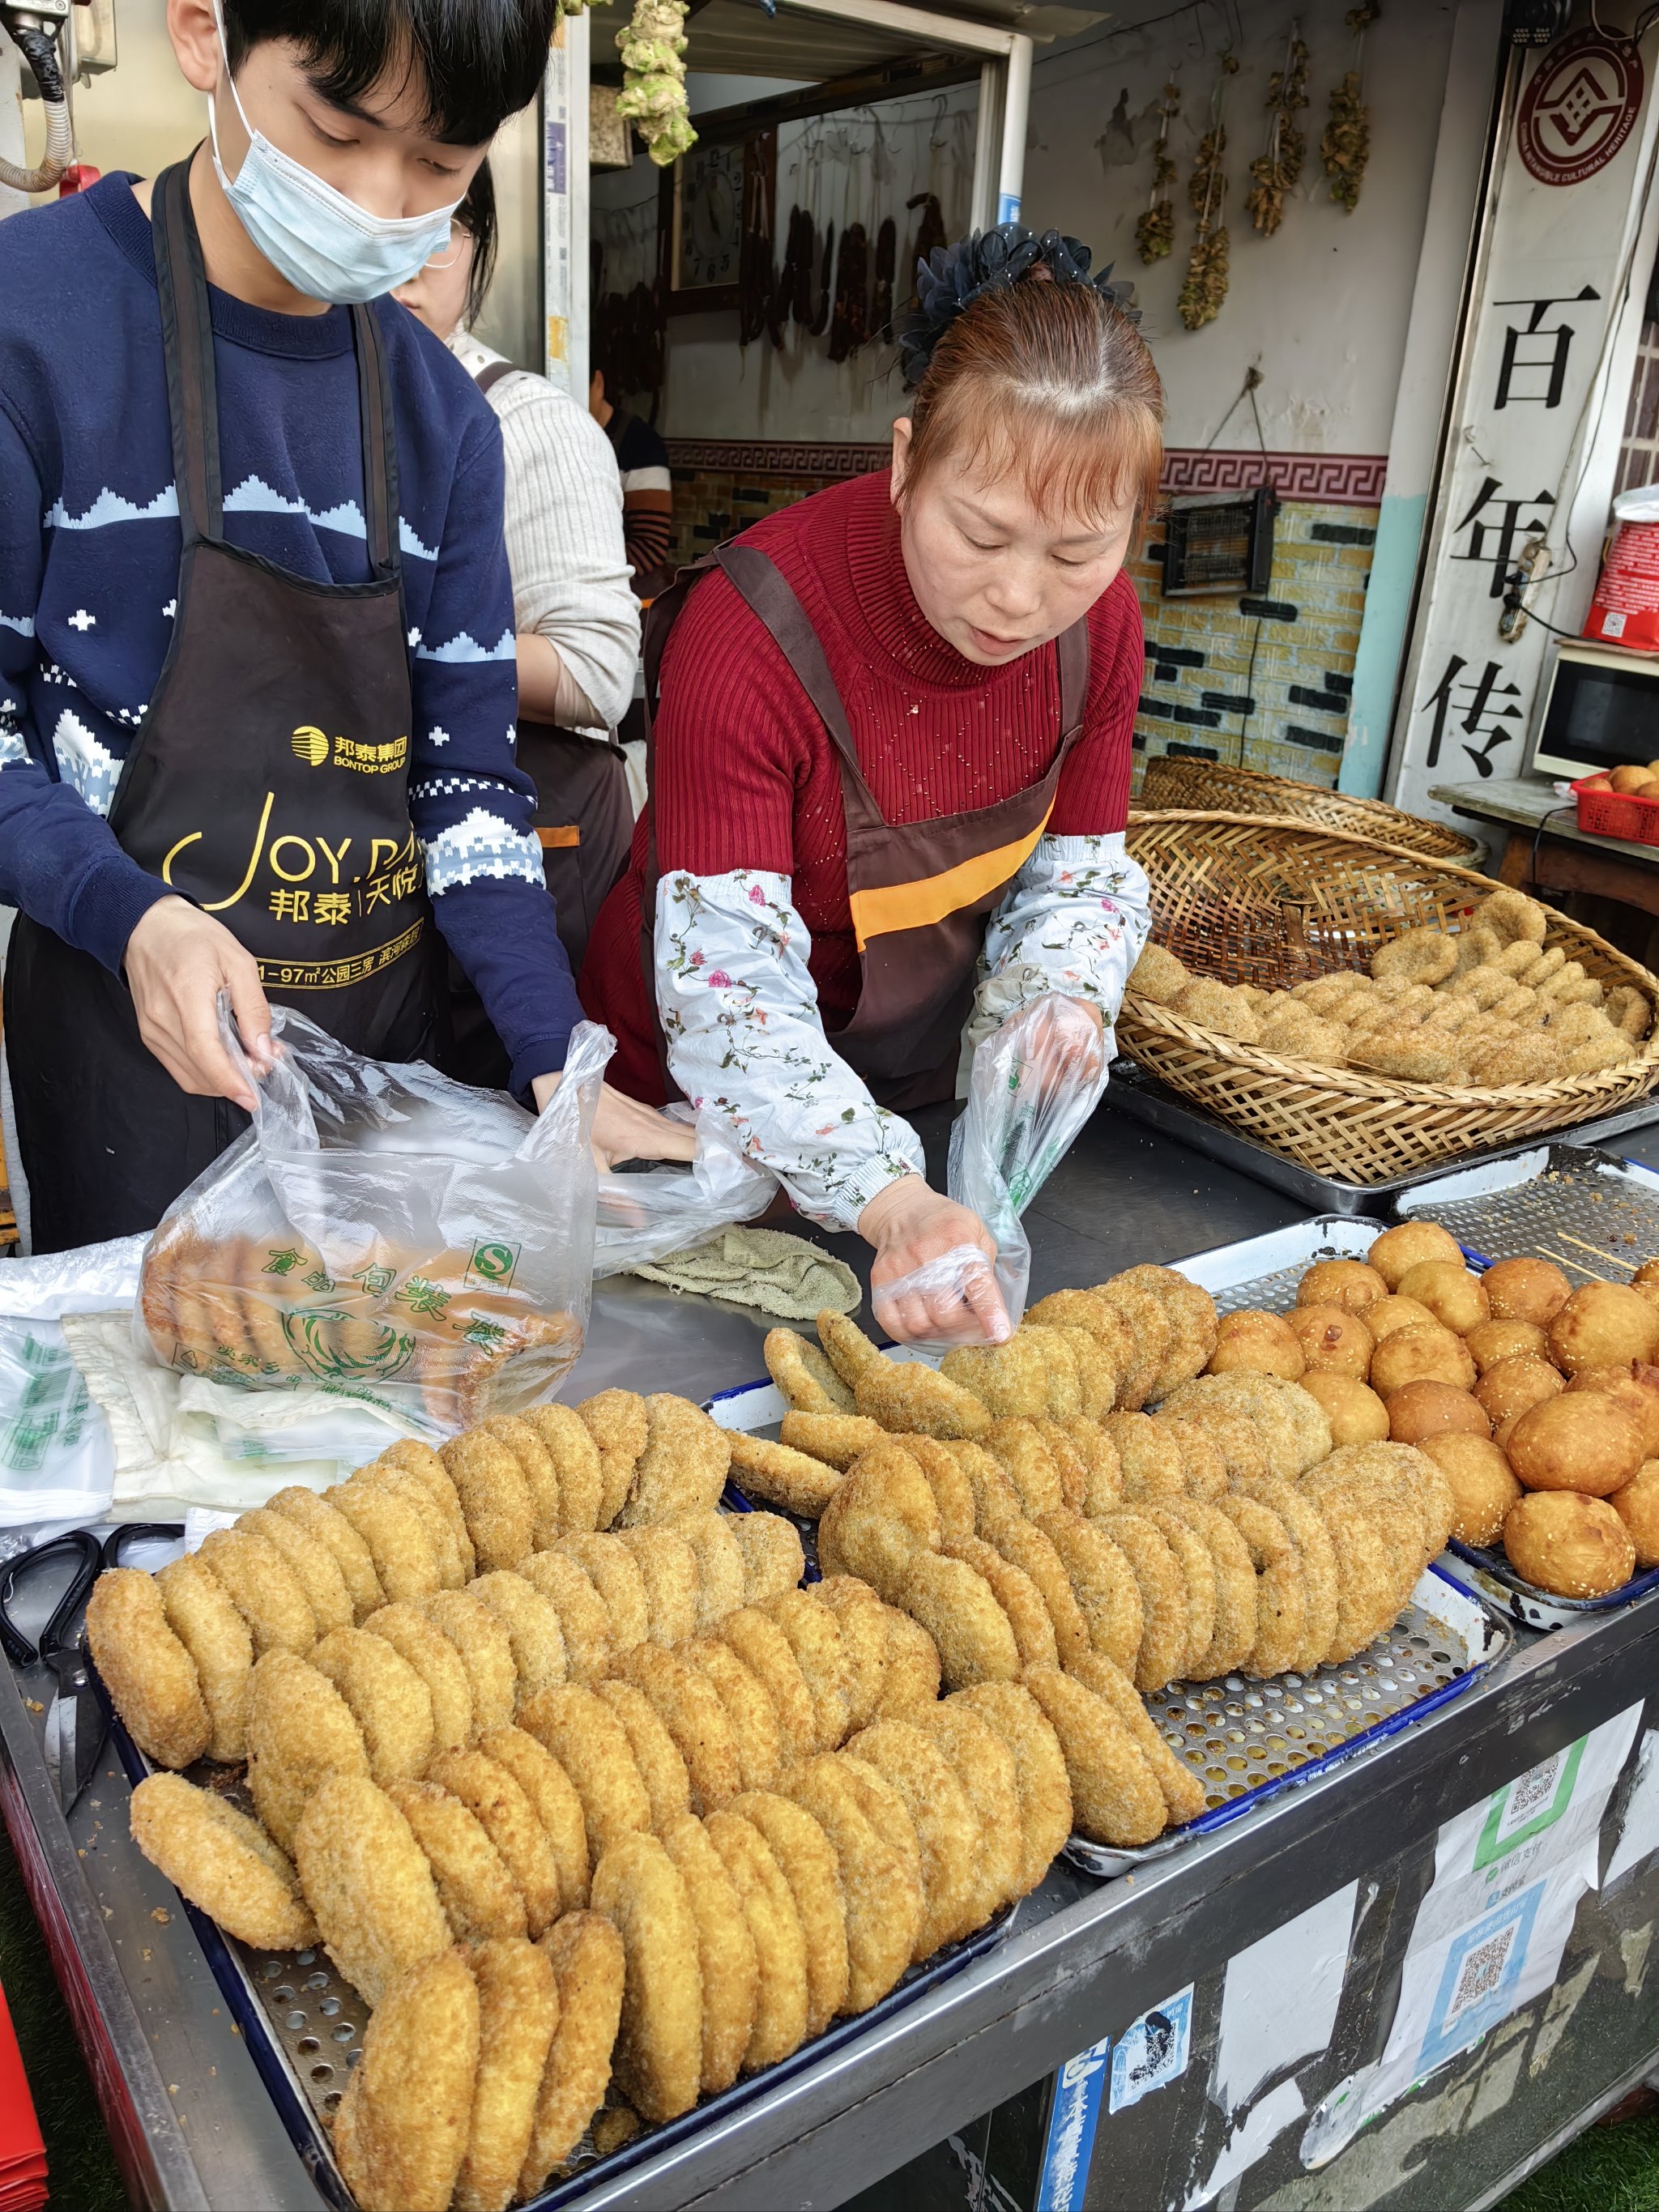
{"x": 809, "y": 1383}
{"x": 1356, "y": 1415}
{"x": 1456, "y": 1298}
{"x": 1433, "y": 1354}
{"x": 1157, "y": 976}
{"x": 1391, "y": 1315}
{"x": 684, "y": 1466}
{"x": 1581, "y": 1441}
{"x": 1333, "y": 1342}
{"x": 1115, "y": 1796}
{"x": 1263, "y": 1342}
{"x": 369, "y": 1885}
{"x": 1407, "y": 1246}
{"x": 658, "y": 2062}
{"x": 725, "y": 1951}
{"x": 504, "y": 1810}
{"x": 1421, "y": 955}
{"x": 1513, "y": 1386}
{"x": 1495, "y": 1341}
{"x": 518, "y": 2012}
{"x": 223, "y": 1861}
{"x": 1209, "y": 1004}
{"x": 590, "y": 1964}
{"x": 1575, "y": 1546}
{"x": 1635, "y": 1389}
{"x": 1483, "y": 1488}
{"x": 401, "y": 2132}
{"x": 809, "y": 1865}
{"x": 1431, "y": 1409}
{"x": 200, "y": 1613}
{"x": 479, "y": 1895}
{"x": 1349, "y": 1283}
{"x": 1638, "y": 1506}
{"x": 1603, "y": 1325}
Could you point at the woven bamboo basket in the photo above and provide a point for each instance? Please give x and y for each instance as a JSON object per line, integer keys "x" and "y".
{"x": 1250, "y": 900}
{"x": 1181, "y": 783}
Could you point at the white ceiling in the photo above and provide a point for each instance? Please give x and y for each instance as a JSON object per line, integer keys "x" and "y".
{"x": 737, "y": 37}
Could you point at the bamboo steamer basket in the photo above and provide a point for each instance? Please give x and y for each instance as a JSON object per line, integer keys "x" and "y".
{"x": 1179, "y": 783}
{"x": 1248, "y": 899}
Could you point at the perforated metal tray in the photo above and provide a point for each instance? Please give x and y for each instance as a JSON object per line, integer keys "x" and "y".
{"x": 1596, "y": 1215}
{"x": 304, "y": 2025}
{"x": 1247, "y": 1740}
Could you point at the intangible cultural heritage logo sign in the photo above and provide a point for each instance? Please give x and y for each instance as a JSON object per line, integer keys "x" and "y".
{"x": 1580, "y": 106}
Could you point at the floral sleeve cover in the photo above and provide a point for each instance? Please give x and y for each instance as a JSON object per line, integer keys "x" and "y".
{"x": 739, "y": 1013}
{"x": 1074, "y": 921}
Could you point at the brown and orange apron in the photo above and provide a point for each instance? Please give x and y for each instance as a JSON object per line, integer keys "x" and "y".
{"x": 269, "y": 785}
{"x": 919, "y": 892}
{"x": 584, "y": 823}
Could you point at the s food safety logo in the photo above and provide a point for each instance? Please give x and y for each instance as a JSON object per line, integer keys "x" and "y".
{"x": 1580, "y": 106}
{"x": 494, "y": 1265}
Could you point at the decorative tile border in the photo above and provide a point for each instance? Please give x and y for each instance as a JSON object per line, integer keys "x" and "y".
{"x": 1322, "y": 479}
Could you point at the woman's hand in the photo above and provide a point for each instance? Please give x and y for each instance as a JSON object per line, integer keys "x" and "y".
{"x": 1062, "y": 1046}
{"x": 625, "y": 1130}
{"x": 177, "y": 962}
{"x": 910, "y": 1226}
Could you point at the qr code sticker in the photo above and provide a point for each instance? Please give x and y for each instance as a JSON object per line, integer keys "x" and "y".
{"x": 1534, "y": 1790}
{"x": 1481, "y": 1972}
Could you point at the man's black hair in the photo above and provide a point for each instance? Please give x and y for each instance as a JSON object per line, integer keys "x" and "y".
{"x": 479, "y": 61}
{"x": 477, "y": 216}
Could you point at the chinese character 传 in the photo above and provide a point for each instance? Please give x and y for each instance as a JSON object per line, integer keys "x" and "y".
{"x": 1487, "y": 712}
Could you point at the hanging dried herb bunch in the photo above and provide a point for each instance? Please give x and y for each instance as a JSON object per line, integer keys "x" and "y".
{"x": 1277, "y": 170}
{"x": 1155, "y": 232}
{"x": 1205, "y": 286}
{"x": 1345, "y": 146}
{"x": 653, "y": 79}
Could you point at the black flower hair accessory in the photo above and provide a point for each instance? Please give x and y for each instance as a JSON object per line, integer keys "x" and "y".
{"x": 953, "y": 277}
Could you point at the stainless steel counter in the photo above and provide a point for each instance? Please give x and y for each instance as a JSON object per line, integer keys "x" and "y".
{"x": 193, "y": 2125}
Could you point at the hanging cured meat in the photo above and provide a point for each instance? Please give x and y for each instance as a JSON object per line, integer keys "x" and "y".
{"x": 881, "y": 300}
{"x": 820, "y": 321}
{"x": 755, "y": 277}
{"x": 801, "y": 252}
{"x": 930, "y": 233}
{"x": 849, "y": 323}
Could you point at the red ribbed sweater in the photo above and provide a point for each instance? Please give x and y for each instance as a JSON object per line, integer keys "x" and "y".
{"x": 744, "y": 774}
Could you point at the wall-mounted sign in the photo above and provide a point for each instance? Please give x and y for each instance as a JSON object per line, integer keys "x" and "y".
{"x": 1580, "y": 107}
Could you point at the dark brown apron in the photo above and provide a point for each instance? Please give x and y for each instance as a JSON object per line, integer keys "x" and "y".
{"x": 584, "y": 823}
{"x": 919, "y": 892}
{"x": 268, "y": 785}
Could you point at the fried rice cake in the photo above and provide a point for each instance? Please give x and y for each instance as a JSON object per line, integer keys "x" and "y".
{"x": 300, "y": 1731}
{"x": 725, "y": 1951}
{"x": 658, "y": 2062}
{"x": 518, "y": 2013}
{"x": 590, "y": 1967}
{"x": 223, "y": 1861}
{"x": 369, "y": 1885}
{"x": 402, "y": 2128}
{"x": 479, "y": 1896}
{"x": 496, "y": 1801}
{"x": 809, "y": 1866}
{"x": 200, "y": 1613}
{"x": 779, "y": 2025}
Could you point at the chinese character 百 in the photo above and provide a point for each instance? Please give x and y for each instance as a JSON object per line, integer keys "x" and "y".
{"x": 1548, "y": 360}
{"x": 1481, "y": 706}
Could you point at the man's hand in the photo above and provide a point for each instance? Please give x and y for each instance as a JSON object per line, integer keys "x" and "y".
{"x": 625, "y": 1130}
{"x": 178, "y": 960}
{"x": 910, "y": 1226}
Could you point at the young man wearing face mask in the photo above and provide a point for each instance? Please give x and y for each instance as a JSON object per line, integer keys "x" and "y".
{"x": 257, "y": 680}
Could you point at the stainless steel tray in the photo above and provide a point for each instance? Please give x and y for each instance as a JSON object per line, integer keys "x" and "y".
{"x": 1247, "y": 1740}
{"x": 1132, "y": 1091}
{"x": 1597, "y": 1216}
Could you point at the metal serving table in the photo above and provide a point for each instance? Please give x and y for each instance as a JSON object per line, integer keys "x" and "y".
{"x": 193, "y": 2127}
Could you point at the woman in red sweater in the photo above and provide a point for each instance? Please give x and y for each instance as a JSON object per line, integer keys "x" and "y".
{"x": 891, "y": 767}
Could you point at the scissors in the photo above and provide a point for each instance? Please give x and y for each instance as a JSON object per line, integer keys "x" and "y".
{"x": 76, "y": 1723}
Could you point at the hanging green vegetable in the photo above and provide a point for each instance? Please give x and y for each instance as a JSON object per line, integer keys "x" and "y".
{"x": 1346, "y": 146}
{"x": 1205, "y": 286}
{"x": 1276, "y": 170}
{"x": 1155, "y": 232}
{"x": 653, "y": 79}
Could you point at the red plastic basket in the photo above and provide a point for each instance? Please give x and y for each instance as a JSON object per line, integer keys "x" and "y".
{"x": 1626, "y": 814}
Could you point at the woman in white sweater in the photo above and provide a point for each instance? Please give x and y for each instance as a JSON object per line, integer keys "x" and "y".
{"x": 577, "y": 621}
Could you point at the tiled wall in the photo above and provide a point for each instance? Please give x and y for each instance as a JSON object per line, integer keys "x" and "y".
{"x": 1262, "y": 681}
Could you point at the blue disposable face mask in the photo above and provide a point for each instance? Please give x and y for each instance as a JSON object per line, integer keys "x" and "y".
{"x": 326, "y": 245}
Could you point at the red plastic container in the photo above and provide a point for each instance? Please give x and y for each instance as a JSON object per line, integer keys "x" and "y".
{"x": 1625, "y": 814}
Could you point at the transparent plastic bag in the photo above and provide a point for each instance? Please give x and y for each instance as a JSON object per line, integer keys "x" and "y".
{"x": 645, "y": 1214}
{"x": 383, "y": 1233}
{"x": 1033, "y": 1084}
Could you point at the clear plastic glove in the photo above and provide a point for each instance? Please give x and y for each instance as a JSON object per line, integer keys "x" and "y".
{"x": 933, "y": 1279}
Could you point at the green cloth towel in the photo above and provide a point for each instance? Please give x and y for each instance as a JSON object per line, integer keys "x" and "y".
{"x": 780, "y": 1275}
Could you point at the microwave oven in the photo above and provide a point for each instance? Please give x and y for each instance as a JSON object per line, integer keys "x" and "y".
{"x": 1599, "y": 710}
